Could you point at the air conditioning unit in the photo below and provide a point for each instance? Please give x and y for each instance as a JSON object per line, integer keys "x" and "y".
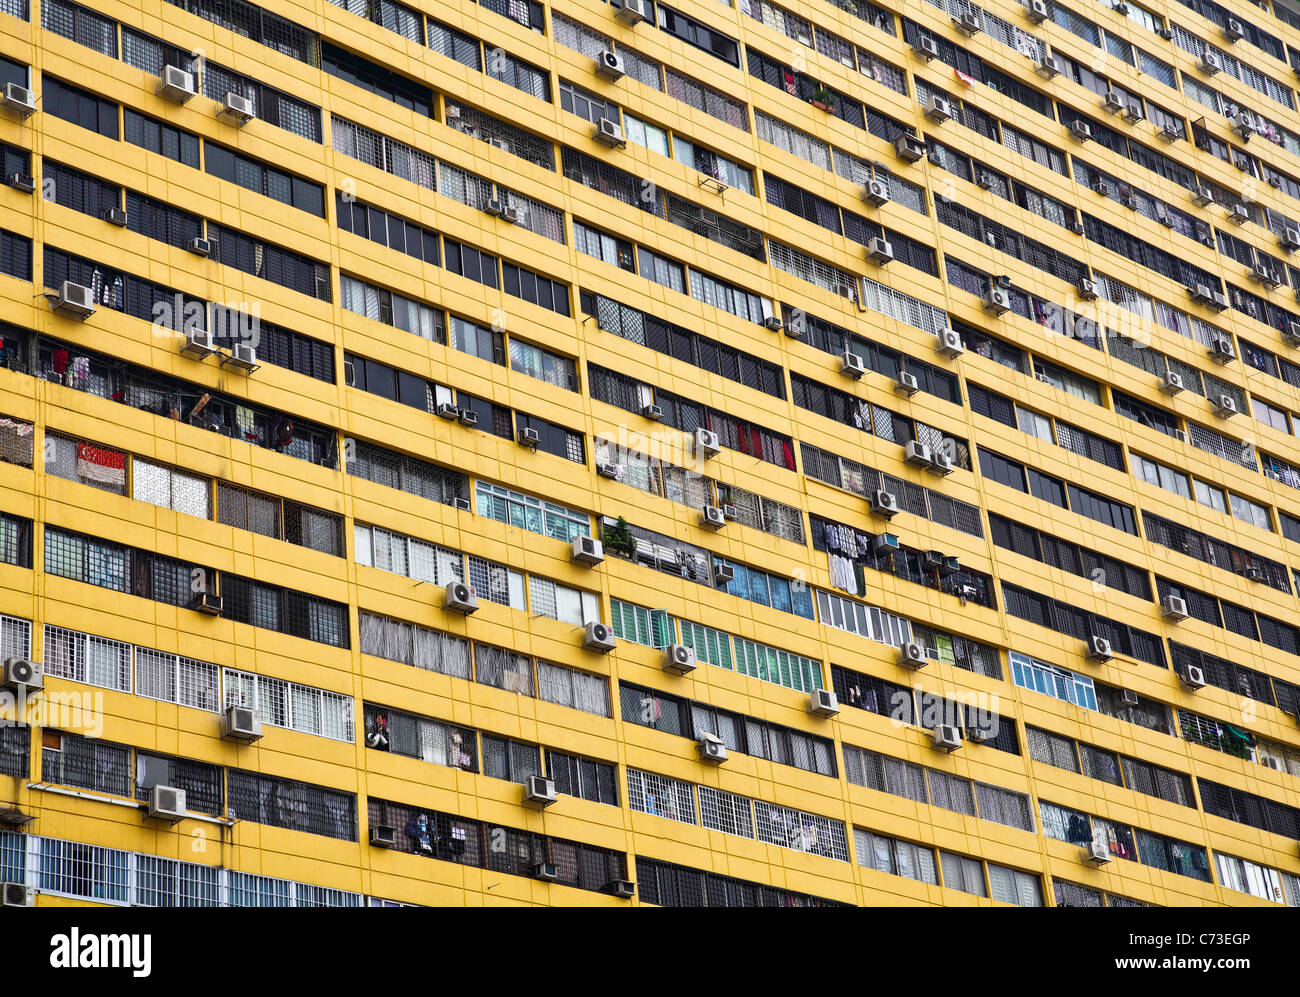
{"x": 538, "y": 791}
{"x": 166, "y": 803}
{"x": 73, "y": 299}
{"x": 207, "y": 602}
{"x": 885, "y": 543}
{"x": 1168, "y": 132}
{"x": 1274, "y": 180}
{"x": 773, "y": 323}
{"x": 997, "y": 301}
{"x": 547, "y": 872}
{"x": 917, "y": 453}
{"x": 383, "y": 836}
{"x": 979, "y": 735}
{"x": 22, "y": 181}
{"x": 909, "y": 148}
{"x": 199, "y": 246}
{"x": 1174, "y": 607}
{"x": 938, "y": 109}
{"x": 1120, "y": 8}
{"x": 679, "y": 659}
{"x": 501, "y": 209}
{"x": 852, "y": 365}
{"x": 1097, "y": 853}
{"x": 948, "y": 342}
{"x": 1099, "y": 649}
{"x": 1200, "y": 293}
{"x": 1222, "y": 350}
{"x": 729, "y": 512}
{"x": 607, "y": 470}
{"x": 608, "y": 132}
{"x": 634, "y": 11}
{"x": 528, "y": 437}
{"x": 1203, "y": 195}
{"x": 241, "y": 723}
{"x": 1088, "y": 289}
{"x": 116, "y": 216}
{"x": 610, "y": 66}
{"x": 653, "y": 412}
{"x": 1112, "y": 102}
{"x": 946, "y": 737}
{"x": 17, "y": 895}
{"x": 884, "y": 503}
{"x": 460, "y": 598}
{"x": 197, "y": 343}
{"x": 1291, "y": 334}
{"x": 912, "y": 655}
{"x": 1261, "y": 274}
{"x": 1233, "y": 30}
{"x": 711, "y": 749}
{"x": 968, "y": 23}
{"x": 1254, "y": 573}
{"x": 925, "y": 48}
{"x": 1127, "y": 697}
{"x": 586, "y": 550}
{"x": 175, "y": 84}
{"x": 986, "y": 181}
{"x": 1192, "y": 677}
{"x": 448, "y": 411}
{"x": 598, "y": 637}
{"x": 18, "y": 100}
{"x": 1237, "y": 214}
{"x": 706, "y": 443}
{"x": 1290, "y": 239}
{"x": 905, "y": 383}
{"x": 22, "y": 673}
{"x": 1080, "y": 130}
{"x": 876, "y": 192}
{"x": 1036, "y": 11}
{"x": 723, "y": 574}
{"x": 1046, "y": 65}
{"x": 623, "y": 888}
{"x": 1210, "y": 63}
{"x": 822, "y": 703}
{"x": 1133, "y": 113}
{"x": 1171, "y": 382}
{"x": 236, "y": 109}
{"x": 1244, "y": 129}
{"x": 932, "y": 560}
{"x": 880, "y": 251}
{"x": 467, "y": 417}
{"x": 1218, "y": 301}
{"x": 460, "y": 503}
{"x": 1165, "y": 32}
{"x": 711, "y": 517}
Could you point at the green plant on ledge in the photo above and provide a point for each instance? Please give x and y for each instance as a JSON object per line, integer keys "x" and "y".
{"x": 823, "y": 98}
{"x": 617, "y": 538}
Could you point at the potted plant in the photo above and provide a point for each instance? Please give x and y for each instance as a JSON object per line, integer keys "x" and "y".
{"x": 617, "y": 538}
{"x": 823, "y": 98}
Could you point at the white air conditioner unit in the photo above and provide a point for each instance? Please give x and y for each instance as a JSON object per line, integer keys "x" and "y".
{"x": 1218, "y": 301}
{"x": 1133, "y": 112}
{"x": 1099, "y": 649}
{"x": 1203, "y": 196}
{"x": 968, "y": 23}
{"x": 948, "y": 342}
{"x": 1225, "y": 406}
{"x": 1174, "y": 607}
{"x": 610, "y": 65}
{"x": 706, "y": 443}
{"x": 448, "y": 411}
{"x": 73, "y": 299}
{"x": 586, "y": 550}
{"x": 383, "y": 836}
{"x": 175, "y": 84}
{"x": 197, "y": 343}
{"x": 242, "y": 356}
{"x": 1221, "y": 349}
{"x": 538, "y": 792}
{"x": 1237, "y": 214}
{"x": 547, "y": 872}
{"x": 1036, "y": 11}
{"x": 467, "y": 416}
{"x": 1088, "y": 289}
{"x": 938, "y": 109}
{"x": 876, "y": 192}
{"x": 608, "y": 132}
{"x": 237, "y": 109}
{"x": 884, "y": 503}
{"x": 24, "y": 182}
{"x": 880, "y": 251}
{"x": 1171, "y": 382}
{"x": 925, "y": 48}
{"x": 462, "y": 504}
{"x": 503, "y": 210}
{"x": 460, "y": 598}
{"x": 997, "y": 301}
{"x": 679, "y": 659}
{"x": 1210, "y": 63}
{"x": 1291, "y": 334}
{"x": 912, "y": 655}
{"x": 1045, "y": 66}
{"x": 199, "y": 246}
{"x": 885, "y": 544}
{"x": 529, "y": 437}
{"x": 1080, "y": 130}
{"x": 17, "y": 895}
{"x": 1233, "y": 31}
{"x": 1097, "y": 853}
{"x": 22, "y": 673}
{"x": 773, "y": 323}
{"x": 652, "y": 412}
{"x": 1290, "y": 239}
{"x": 606, "y": 469}
{"x": 917, "y": 453}
{"x": 909, "y": 148}
{"x": 1127, "y": 697}
{"x": 166, "y": 803}
{"x": 18, "y": 100}
{"x": 711, "y": 749}
{"x": 729, "y": 512}
{"x": 1112, "y": 102}
{"x": 1192, "y": 677}
{"x": 241, "y": 723}
{"x": 1168, "y": 133}
{"x": 598, "y": 637}
{"x": 822, "y": 703}
{"x": 946, "y": 737}
{"x": 1244, "y": 129}
{"x": 986, "y": 181}
{"x": 906, "y": 384}
{"x": 852, "y": 365}
{"x": 633, "y": 11}
{"x": 623, "y": 888}
{"x": 116, "y": 216}
{"x": 711, "y": 517}
{"x": 723, "y": 574}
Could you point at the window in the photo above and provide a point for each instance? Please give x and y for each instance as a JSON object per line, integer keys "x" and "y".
{"x": 511, "y": 760}
{"x": 87, "y": 763}
{"x": 85, "y": 658}
{"x": 896, "y": 857}
{"x": 651, "y": 627}
{"x": 298, "y": 806}
{"x": 471, "y": 263}
{"x": 252, "y": 174}
{"x": 1161, "y": 476}
{"x": 164, "y": 139}
{"x": 534, "y": 288}
{"x": 81, "y": 108}
{"x": 171, "y": 489}
{"x": 476, "y": 340}
{"x": 303, "y": 708}
{"x": 553, "y": 368}
{"x": 566, "y": 686}
{"x": 582, "y": 777}
{"x": 560, "y": 602}
{"x": 529, "y": 513}
{"x": 586, "y": 105}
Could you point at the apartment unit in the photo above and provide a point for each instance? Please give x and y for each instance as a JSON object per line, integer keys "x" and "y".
{"x": 704, "y": 452}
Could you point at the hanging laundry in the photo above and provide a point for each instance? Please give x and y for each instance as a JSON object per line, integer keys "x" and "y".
{"x": 81, "y": 372}
{"x": 60, "y": 362}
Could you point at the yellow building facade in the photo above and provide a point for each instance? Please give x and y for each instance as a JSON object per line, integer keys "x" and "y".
{"x": 1024, "y": 269}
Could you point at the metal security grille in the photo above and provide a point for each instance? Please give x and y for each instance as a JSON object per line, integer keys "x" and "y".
{"x": 649, "y": 793}
{"x": 505, "y": 136}
{"x": 203, "y": 784}
{"x": 803, "y": 832}
{"x": 668, "y": 885}
{"x": 726, "y": 812}
{"x": 167, "y": 883}
{"x": 412, "y": 645}
{"x": 71, "y": 760}
{"x": 297, "y": 806}
{"x": 503, "y": 669}
{"x": 569, "y": 687}
{"x": 15, "y": 760}
{"x": 81, "y": 657}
